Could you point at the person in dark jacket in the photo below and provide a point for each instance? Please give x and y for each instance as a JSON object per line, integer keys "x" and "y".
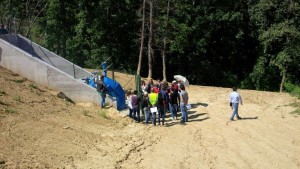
{"x": 135, "y": 100}
{"x": 101, "y": 89}
{"x": 173, "y": 105}
{"x": 161, "y": 106}
{"x": 145, "y": 106}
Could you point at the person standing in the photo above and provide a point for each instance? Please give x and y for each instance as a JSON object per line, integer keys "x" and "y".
{"x": 144, "y": 86}
{"x": 129, "y": 103}
{"x": 162, "y": 105}
{"x": 136, "y": 106}
{"x": 159, "y": 83}
{"x": 173, "y": 104}
{"x": 153, "y": 100}
{"x": 235, "y": 99}
{"x": 145, "y": 106}
{"x": 176, "y": 91}
{"x": 101, "y": 89}
{"x": 149, "y": 86}
{"x": 183, "y": 102}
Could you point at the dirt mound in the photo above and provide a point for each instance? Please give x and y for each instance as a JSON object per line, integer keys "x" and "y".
{"x": 40, "y": 130}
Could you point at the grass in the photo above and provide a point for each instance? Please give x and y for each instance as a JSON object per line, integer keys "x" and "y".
{"x": 86, "y": 113}
{"x": 10, "y": 110}
{"x": 17, "y": 98}
{"x": 2, "y": 93}
{"x": 103, "y": 114}
{"x": 19, "y": 81}
{"x": 33, "y": 86}
{"x": 294, "y": 90}
{"x": 297, "y": 105}
{"x": 297, "y": 111}
{"x": 2, "y": 103}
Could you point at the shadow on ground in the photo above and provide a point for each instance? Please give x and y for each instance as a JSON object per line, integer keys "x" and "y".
{"x": 194, "y": 116}
{"x": 249, "y": 118}
{"x": 206, "y": 118}
{"x": 195, "y": 105}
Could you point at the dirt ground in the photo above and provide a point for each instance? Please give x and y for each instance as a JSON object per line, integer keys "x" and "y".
{"x": 40, "y": 130}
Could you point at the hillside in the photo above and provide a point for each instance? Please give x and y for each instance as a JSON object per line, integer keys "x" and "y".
{"x": 40, "y": 130}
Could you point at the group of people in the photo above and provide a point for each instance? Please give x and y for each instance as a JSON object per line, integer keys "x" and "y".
{"x": 158, "y": 99}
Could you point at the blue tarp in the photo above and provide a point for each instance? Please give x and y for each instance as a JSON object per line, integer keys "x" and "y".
{"x": 114, "y": 89}
{"x": 91, "y": 82}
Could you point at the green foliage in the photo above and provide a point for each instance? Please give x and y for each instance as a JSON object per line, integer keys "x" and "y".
{"x": 297, "y": 106}
{"x": 297, "y": 111}
{"x": 19, "y": 80}
{"x": 10, "y": 110}
{"x": 250, "y": 44}
{"x": 103, "y": 114}
{"x": 17, "y": 98}
{"x": 293, "y": 89}
{"x": 33, "y": 86}
{"x": 279, "y": 36}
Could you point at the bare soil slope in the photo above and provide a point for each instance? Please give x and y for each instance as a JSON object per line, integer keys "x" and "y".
{"x": 40, "y": 130}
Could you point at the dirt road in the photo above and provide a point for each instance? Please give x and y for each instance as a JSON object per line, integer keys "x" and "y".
{"x": 40, "y": 130}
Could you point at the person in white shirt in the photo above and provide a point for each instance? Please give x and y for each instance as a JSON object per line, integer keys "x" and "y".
{"x": 129, "y": 102}
{"x": 235, "y": 99}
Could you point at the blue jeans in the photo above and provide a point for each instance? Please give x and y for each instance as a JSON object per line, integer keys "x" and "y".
{"x": 161, "y": 114}
{"x": 130, "y": 113}
{"x": 235, "y": 107}
{"x": 102, "y": 102}
{"x": 184, "y": 114}
{"x": 153, "y": 117}
{"x": 145, "y": 112}
{"x": 136, "y": 114}
{"x": 173, "y": 110}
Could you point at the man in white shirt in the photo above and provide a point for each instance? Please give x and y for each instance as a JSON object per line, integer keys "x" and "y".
{"x": 235, "y": 99}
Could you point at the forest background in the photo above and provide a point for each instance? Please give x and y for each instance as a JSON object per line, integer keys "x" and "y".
{"x": 253, "y": 44}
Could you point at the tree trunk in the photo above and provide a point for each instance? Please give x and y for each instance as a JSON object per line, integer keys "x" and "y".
{"x": 164, "y": 61}
{"x": 165, "y": 45}
{"x": 150, "y": 39}
{"x": 138, "y": 72}
{"x": 282, "y": 81}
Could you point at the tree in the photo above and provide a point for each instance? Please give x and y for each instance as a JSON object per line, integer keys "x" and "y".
{"x": 279, "y": 37}
{"x": 150, "y": 51}
{"x": 164, "y": 32}
{"x": 142, "y": 39}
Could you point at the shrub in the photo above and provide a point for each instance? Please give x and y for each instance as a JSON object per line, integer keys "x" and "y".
{"x": 103, "y": 114}
{"x": 292, "y": 89}
{"x": 33, "y": 85}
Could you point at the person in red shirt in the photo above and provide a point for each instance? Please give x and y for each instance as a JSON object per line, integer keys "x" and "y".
{"x": 155, "y": 89}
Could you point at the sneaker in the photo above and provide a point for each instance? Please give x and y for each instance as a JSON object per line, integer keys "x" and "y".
{"x": 238, "y": 117}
